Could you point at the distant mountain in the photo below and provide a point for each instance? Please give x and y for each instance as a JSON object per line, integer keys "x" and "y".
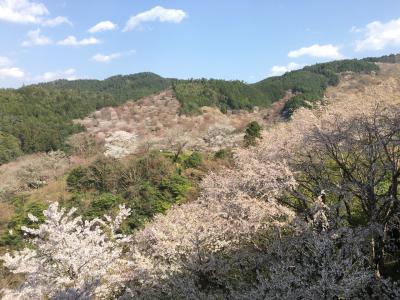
{"x": 39, "y": 117}
{"x": 307, "y": 84}
{"x": 121, "y": 87}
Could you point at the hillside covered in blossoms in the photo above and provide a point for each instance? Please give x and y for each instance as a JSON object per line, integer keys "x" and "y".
{"x": 205, "y": 150}
{"x": 265, "y": 207}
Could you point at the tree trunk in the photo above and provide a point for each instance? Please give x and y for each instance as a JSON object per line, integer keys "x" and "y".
{"x": 378, "y": 262}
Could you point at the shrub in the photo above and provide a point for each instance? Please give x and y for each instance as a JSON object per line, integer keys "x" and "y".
{"x": 75, "y": 179}
{"x": 253, "y": 132}
{"x": 22, "y": 209}
{"x": 194, "y": 160}
{"x": 102, "y": 205}
{"x": 223, "y": 153}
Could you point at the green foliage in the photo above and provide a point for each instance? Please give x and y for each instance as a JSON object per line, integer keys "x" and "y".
{"x": 194, "y": 94}
{"x": 194, "y": 160}
{"x": 74, "y": 179}
{"x": 310, "y": 82}
{"x": 223, "y": 154}
{"x": 9, "y": 147}
{"x": 120, "y": 88}
{"x": 149, "y": 185}
{"x": 14, "y": 236}
{"x": 39, "y": 117}
{"x": 253, "y": 132}
{"x": 102, "y": 205}
{"x": 391, "y": 59}
{"x": 339, "y": 66}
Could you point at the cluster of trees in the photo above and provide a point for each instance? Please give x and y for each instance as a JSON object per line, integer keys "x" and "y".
{"x": 391, "y": 59}
{"x": 120, "y": 87}
{"x": 39, "y": 117}
{"x": 149, "y": 184}
{"x": 67, "y": 251}
{"x": 311, "y": 212}
{"x": 313, "y": 81}
{"x": 308, "y": 85}
{"x": 196, "y": 93}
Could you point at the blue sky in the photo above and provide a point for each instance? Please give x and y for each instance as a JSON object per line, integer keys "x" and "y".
{"x": 43, "y": 40}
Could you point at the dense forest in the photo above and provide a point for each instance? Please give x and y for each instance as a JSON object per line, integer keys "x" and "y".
{"x": 308, "y": 84}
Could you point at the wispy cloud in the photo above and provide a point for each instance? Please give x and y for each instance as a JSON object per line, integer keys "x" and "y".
{"x": 319, "y": 51}
{"x": 69, "y": 74}
{"x": 5, "y": 61}
{"x": 73, "y": 41}
{"x": 279, "y": 70}
{"x": 7, "y": 70}
{"x": 57, "y": 21}
{"x": 157, "y": 13}
{"x": 107, "y": 58}
{"x": 103, "y": 26}
{"x": 378, "y": 35}
{"x": 35, "y": 38}
{"x": 25, "y": 12}
{"x": 12, "y": 72}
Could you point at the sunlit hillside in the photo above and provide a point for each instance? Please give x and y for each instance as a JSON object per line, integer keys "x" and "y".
{"x": 222, "y": 150}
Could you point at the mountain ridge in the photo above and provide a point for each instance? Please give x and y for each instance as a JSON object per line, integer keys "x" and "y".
{"x": 39, "y": 117}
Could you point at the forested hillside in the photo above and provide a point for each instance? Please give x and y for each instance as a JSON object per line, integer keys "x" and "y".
{"x": 120, "y": 87}
{"x": 39, "y": 117}
{"x": 391, "y": 58}
{"x": 308, "y": 84}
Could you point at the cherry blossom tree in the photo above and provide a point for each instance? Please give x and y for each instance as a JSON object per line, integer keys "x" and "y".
{"x": 70, "y": 258}
{"x": 356, "y": 161}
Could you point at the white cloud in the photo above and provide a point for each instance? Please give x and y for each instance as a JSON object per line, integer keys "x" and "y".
{"x": 107, "y": 58}
{"x": 355, "y": 29}
{"x": 11, "y": 72}
{"x": 22, "y": 11}
{"x": 379, "y": 35}
{"x": 57, "y": 21}
{"x": 73, "y": 41}
{"x": 27, "y": 12}
{"x": 7, "y": 70}
{"x": 36, "y": 39}
{"x": 157, "y": 13}
{"x": 4, "y": 61}
{"x": 279, "y": 70}
{"x": 68, "y": 74}
{"x": 103, "y": 26}
{"x": 320, "y": 51}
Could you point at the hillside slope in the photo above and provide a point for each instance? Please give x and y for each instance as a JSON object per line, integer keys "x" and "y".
{"x": 39, "y": 117}
{"x": 242, "y": 211}
{"x": 308, "y": 83}
{"x": 156, "y": 122}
